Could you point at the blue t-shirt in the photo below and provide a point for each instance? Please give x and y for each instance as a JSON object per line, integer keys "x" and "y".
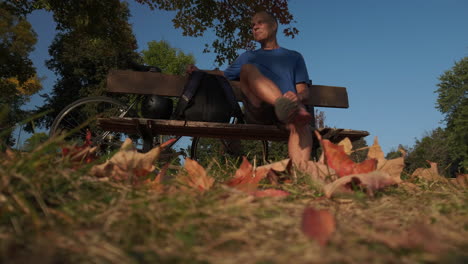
{"x": 284, "y": 67}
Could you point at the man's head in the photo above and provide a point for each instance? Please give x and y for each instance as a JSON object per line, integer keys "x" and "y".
{"x": 264, "y": 27}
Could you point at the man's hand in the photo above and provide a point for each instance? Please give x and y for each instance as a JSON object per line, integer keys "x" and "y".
{"x": 190, "y": 68}
{"x": 302, "y": 92}
{"x": 292, "y": 96}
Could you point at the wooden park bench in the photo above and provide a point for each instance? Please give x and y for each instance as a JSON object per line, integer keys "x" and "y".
{"x": 153, "y": 83}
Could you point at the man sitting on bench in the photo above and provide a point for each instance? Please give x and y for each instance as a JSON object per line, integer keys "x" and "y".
{"x": 273, "y": 81}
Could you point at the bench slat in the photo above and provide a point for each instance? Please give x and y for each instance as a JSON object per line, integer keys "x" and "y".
{"x": 127, "y": 81}
{"x": 216, "y": 130}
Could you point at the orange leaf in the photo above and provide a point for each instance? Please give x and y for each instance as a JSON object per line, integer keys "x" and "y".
{"x": 246, "y": 179}
{"x": 337, "y": 159}
{"x": 371, "y": 181}
{"x": 196, "y": 176}
{"x": 318, "y": 224}
{"x": 156, "y": 184}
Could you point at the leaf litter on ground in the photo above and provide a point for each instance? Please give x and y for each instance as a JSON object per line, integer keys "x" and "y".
{"x": 174, "y": 226}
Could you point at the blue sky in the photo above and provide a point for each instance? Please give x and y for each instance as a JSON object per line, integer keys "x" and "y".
{"x": 388, "y": 54}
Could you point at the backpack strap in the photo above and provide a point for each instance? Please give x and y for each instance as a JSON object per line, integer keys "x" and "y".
{"x": 190, "y": 89}
{"x": 236, "y": 110}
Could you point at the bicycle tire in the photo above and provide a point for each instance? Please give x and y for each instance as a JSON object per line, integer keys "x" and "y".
{"x": 75, "y": 115}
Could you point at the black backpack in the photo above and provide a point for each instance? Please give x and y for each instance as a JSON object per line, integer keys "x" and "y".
{"x": 208, "y": 98}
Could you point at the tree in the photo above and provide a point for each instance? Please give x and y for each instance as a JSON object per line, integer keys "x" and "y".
{"x": 452, "y": 101}
{"x": 432, "y": 147}
{"x": 169, "y": 59}
{"x": 18, "y": 80}
{"x": 93, "y": 37}
{"x": 229, "y": 19}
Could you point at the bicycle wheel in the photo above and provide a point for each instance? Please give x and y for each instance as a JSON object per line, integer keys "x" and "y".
{"x": 80, "y": 118}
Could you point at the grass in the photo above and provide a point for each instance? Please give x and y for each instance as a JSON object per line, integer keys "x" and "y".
{"x": 52, "y": 213}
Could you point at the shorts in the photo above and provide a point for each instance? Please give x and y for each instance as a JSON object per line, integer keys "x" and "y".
{"x": 263, "y": 115}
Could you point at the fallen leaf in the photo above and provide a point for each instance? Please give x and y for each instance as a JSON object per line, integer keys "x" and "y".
{"x": 371, "y": 181}
{"x": 246, "y": 178}
{"x": 196, "y": 176}
{"x": 337, "y": 159}
{"x": 127, "y": 163}
{"x": 319, "y": 172}
{"x": 270, "y": 193}
{"x": 461, "y": 180}
{"x": 393, "y": 167}
{"x": 318, "y": 224}
{"x": 81, "y": 154}
{"x": 279, "y": 172}
{"x": 347, "y": 145}
{"x": 431, "y": 174}
{"x": 280, "y": 166}
{"x": 156, "y": 184}
{"x": 375, "y": 151}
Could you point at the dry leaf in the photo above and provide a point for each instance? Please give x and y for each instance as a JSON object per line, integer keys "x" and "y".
{"x": 156, "y": 184}
{"x": 196, "y": 176}
{"x": 347, "y": 145}
{"x": 279, "y": 172}
{"x": 318, "y": 224}
{"x": 280, "y": 166}
{"x": 461, "y": 180}
{"x": 393, "y": 167}
{"x": 337, "y": 159}
{"x": 431, "y": 174}
{"x": 128, "y": 163}
{"x": 246, "y": 179}
{"x": 375, "y": 151}
{"x": 370, "y": 181}
{"x": 319, "y": 172}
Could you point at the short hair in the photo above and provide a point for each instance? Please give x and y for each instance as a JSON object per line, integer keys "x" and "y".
{"x": 272, "y": 17}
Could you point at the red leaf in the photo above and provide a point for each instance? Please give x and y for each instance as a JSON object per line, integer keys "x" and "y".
{"x": 318, "y": 224}
{"x": 338, "y": 160}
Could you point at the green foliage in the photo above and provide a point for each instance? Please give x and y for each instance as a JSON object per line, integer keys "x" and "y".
{"x": 169, "y": 59}
{"x": 93, "y": 37}
{"x": 230, "y": 21}
{"x": 17, "y": 40}
{"x": 393, "y": 154}
{"x": 432, "y": 147}
{"x": 34, "y": 141}
{"x": 452, "y": 101}
{"x": 361, "y": 154}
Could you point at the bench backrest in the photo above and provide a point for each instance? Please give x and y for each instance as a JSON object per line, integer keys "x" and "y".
{"x": 127, "y": 81}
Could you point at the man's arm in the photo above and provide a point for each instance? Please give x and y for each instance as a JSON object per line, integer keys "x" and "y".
{"x": 302, "y": 92}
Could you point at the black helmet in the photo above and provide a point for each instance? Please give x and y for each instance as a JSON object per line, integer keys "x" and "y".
{"x": 157, "y": 107}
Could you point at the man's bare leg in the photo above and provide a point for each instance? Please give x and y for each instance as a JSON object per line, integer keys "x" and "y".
{"x": 257, "y": 88}
{"x": 300, "y": 144}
